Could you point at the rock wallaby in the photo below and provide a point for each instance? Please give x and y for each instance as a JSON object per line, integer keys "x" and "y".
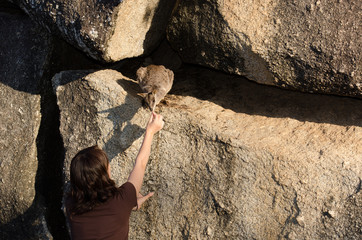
{"x": 155, "y": 81}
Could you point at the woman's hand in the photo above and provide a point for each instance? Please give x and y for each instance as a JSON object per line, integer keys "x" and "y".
{"x": 155, "y": 123}
{"x": 141, "y": 199}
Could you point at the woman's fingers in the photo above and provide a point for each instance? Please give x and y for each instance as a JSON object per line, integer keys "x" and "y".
{"x": 155, "y": 123}
{"x": 141, "y": 199}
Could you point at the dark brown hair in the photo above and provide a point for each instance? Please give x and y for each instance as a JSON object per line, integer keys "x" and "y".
{"x": 90, "y": 184}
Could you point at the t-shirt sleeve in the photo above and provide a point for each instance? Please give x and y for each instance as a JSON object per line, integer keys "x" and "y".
{"x": 128, "y": 193}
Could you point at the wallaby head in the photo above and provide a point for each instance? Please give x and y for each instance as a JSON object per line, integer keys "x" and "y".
{"x": 150, "y": 99}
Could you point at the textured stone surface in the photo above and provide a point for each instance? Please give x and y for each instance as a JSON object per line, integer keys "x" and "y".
{"x": 272, "y": 166}
{"x": 312, "y": 46}
{"x": 23, "y": 54}
{"x": 105, "y": 30}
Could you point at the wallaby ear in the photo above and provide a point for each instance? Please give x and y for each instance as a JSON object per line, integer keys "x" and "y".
{"x": 141, "y": 72}
{"x": 170, "y": 74}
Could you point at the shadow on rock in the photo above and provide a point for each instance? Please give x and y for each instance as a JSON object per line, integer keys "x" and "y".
{"x": 31, "y": 224}
{"x": 124, "y": 132}
{"x": 240, "y": 95}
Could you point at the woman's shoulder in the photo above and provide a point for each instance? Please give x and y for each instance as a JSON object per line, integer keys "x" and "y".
{"x": 127, "y": 186}
{"x": 127, "y": 192}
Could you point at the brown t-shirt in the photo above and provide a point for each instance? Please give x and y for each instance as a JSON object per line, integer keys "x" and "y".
{"x": 107, "y": 221}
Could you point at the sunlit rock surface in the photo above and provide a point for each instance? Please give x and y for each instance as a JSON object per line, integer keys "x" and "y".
{"x": 235, "y": 160}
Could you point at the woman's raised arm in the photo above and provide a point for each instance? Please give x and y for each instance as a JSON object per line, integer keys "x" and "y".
{"x": 154, "y": 125}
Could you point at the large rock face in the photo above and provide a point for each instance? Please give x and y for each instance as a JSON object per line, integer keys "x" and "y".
{"x": 23, "y": 54}
{"x": 312, "y": 46}
{"x": 105, "y": 30}
{"x": 272, "y": 166}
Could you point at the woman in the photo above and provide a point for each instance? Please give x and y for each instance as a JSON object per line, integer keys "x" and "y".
{"x": 96, "y": 208}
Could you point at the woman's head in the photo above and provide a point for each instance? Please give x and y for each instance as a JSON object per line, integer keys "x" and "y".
{"x": 90, "y": 180}
{"x": 89, "y": 167}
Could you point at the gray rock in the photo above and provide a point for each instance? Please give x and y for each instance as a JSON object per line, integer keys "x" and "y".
{"x": 105, "y": 30}
{"x": 312, "y": 46}
{"x": 223, "y": 169}
{"x": 23, "y": 54}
